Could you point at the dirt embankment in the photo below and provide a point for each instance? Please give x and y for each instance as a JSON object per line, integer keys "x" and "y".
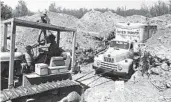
{"x": 160, "y": 43}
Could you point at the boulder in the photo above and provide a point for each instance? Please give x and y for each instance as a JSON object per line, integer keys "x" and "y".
{"x": 164, "y": 66}
{"x": 72, "y": 97}
{"x": 136, "y": 76}
{"x": 168, "y": 84}
{"x": 155, "y": 71}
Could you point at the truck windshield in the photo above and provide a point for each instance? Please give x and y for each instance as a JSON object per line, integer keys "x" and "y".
{"x": 119, "y": 44}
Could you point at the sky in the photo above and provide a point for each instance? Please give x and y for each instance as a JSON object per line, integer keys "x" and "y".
{"x": 35, "y": 5}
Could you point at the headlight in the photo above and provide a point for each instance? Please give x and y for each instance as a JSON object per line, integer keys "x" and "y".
{"x": 98, "y": 63}
{"x": 119, "y": 67}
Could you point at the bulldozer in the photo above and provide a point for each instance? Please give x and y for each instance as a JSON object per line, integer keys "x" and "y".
{"x": 47, "y": 80}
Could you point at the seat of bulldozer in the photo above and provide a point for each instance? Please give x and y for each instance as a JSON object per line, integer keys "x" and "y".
{"x": 56, "y": 61}
{"x": 58, "y": 65}
{"x": 5, "y": 56}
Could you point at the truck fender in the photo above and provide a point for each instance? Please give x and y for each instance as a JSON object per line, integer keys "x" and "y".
{"x": 126, "y": 65}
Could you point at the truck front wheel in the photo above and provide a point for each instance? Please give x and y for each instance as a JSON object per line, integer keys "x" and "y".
{"x": 131, "y": 71}
{"x": 97, "y": 71}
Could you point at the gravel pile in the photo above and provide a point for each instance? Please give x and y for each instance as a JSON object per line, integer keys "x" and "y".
{"x": 136, "y": 19}
{"x": 162, "y": 21}
{"x": 96, "y": 21}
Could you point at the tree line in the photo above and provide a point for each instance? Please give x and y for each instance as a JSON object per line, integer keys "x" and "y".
{"x": 20, "y": 10}
{"x": 158, "y": 9}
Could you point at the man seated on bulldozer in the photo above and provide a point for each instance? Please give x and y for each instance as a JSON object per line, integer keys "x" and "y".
{"x": 29, "y": 57}
{"x": 45, "y": 55}
{"x": 53, "y": 49}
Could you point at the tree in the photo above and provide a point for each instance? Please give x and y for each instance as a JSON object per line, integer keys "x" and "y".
{"x": 6, "y": 11}
{"x": 160, "y": 8}
{"x": 52, "y": 7}
{"x": 170, "y": 6}
{"x": 21, "y": 9}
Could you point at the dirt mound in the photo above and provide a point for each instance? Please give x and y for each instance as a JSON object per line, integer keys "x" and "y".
{"x": 91, "y": 21}
{"x": 136, "y": 19}
{"x": 161, "y": 21}
{"x": 84, "y": 40}
{"x": 96, "y": 21}
{"x": 55, "y": 19}
{"x": 109, "y": 20}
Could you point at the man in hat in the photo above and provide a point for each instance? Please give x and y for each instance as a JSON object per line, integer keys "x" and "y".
{"x": 53, "y": 49}
{"x": 29, "y": 58}
{"x": 44, "y": 19}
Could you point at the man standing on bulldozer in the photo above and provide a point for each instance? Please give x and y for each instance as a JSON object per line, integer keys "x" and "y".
{"x": 44, "y": 19}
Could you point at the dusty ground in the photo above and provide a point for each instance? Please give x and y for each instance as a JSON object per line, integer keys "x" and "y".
{"x": 103, "y": 89}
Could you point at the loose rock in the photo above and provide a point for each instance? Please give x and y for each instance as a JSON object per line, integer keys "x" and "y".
{"x": 168, "y": 84}
{"x": 154, "y": 71}
{"x": 165, "y": 67}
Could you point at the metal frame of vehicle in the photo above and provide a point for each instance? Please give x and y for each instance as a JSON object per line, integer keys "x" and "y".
{"x": 14, "y": 22}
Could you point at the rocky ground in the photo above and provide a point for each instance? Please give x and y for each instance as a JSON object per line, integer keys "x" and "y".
{"x": 137, "y": 89}
{"x": 160, "y": 43}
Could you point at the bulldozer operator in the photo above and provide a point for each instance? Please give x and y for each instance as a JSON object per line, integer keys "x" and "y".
{"x": 45, "y": 56}
{"x": 53, "y": 49}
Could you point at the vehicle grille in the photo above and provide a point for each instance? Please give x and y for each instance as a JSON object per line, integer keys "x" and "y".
{"x": 108, "y": 59}
{"x": 109, "y": 65}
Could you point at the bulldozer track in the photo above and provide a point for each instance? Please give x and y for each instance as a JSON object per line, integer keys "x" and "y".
{"x": 10, "y": 94}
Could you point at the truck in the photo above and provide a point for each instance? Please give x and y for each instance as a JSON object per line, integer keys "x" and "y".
{"x": 118, "y": 57}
